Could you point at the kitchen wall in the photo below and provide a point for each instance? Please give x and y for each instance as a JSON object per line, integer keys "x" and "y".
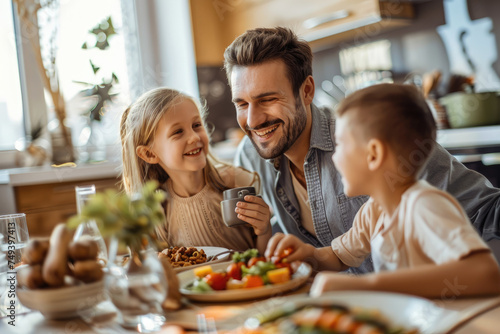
{"x": 417, "y": 47}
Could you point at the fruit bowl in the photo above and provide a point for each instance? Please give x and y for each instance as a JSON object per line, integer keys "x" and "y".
{"x": 65, "y": 302}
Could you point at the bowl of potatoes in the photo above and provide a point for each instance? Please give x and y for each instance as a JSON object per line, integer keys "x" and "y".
{"x": 61, "y": 278}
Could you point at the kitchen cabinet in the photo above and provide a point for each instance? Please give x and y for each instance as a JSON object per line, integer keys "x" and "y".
{"x": 47, "y": 205}
{"x": 321, "y": 22}
{"x": 47, "y": 194}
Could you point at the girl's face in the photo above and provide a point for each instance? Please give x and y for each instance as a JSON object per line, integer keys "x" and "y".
{"x": 181, "y": 141}
{"x": 350, "y": 157}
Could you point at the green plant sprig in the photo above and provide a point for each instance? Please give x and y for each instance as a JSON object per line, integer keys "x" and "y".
{"x": 128, "y": 218}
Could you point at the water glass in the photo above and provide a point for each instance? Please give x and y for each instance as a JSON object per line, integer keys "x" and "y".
{"x": 15, "y": 237}
{"x": 14, "y": 230}
{"x": 89, "y": 229}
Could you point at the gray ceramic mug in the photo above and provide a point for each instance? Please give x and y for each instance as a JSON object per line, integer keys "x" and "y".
{"x": 228, "y": 205}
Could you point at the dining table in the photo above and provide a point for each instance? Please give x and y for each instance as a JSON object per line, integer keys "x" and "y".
{"x": 479, "y": 315}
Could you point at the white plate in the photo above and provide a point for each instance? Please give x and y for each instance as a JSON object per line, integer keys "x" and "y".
{"x": 302, "y": 273}
{"x": 209, "y": 251}
{"x": 407, "y": 311}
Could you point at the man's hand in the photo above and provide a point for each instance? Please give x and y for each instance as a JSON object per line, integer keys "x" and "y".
{"x": 256, "y": 213}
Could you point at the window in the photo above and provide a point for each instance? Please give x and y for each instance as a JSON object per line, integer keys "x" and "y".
{"x": 11, "y": 104}
{"x": 158, "y": 52}
{"x": 70, "y": 22}
{"x": 77, "y": 18}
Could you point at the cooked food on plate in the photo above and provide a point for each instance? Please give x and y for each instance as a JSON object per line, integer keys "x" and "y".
{"x": 322, "y": 319}
{"x": 248, "y": 270}
{"x": 184, "y": 256}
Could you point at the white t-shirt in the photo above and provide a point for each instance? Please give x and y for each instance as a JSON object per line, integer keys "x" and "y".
{"x": 305, "y": 208}
{"x": 429, "y": 226}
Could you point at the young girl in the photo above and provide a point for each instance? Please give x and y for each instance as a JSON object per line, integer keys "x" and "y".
{"x": 420, "y": 239}
{"x": 164, "y": 138}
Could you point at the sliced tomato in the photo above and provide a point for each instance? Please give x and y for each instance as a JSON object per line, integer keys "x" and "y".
{"x": 284, "y": 254}
{"x": 252, "y": 281}
{"x": 217, "y": 281}
{"x": 254, "y": 260}
{"x": 234, "y": 270}
{"x": 287, "y": 251}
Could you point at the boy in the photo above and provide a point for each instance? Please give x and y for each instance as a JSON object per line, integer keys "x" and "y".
{"x": 420, "y": 238}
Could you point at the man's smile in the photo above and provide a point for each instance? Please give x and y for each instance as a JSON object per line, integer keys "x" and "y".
{"x": 265, "y": 132}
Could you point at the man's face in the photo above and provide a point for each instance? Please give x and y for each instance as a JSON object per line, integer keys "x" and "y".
{"x": 266, "y": 107}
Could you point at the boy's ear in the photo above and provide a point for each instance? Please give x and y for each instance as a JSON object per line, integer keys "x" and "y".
{"x": 376, "y": 154}
{"x": 146, "y": 154}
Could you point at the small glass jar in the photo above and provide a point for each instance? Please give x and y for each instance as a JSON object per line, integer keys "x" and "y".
{"x": 137, "y": 287}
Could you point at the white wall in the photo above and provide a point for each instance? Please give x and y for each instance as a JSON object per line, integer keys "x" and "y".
{"x": 166, "y": 45}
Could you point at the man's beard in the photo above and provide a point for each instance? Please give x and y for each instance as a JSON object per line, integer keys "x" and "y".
{"x": 290, "y": 134}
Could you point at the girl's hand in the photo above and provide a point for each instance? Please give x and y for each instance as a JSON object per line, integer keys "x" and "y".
{"x": 279, "y": 247}
{"x": 256, "y": 213}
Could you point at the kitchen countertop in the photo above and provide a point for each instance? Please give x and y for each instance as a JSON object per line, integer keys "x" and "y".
{"x": 15, "y": 177}
{"x": 481, "y": 139}
{"x": 49, "y": 174}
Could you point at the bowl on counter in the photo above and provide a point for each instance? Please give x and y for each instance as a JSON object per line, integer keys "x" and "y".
{"x": 65, "y": 302}
{"x": 472, "y": 109}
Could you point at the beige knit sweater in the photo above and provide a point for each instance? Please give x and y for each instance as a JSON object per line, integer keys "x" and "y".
{"x": 197, "y": 220}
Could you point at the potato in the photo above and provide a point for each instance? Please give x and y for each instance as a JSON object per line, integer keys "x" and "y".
{"x": 31, "y": 277}
{"x": 88, "y": 271}
{"x": 82, "y": 250}
{"x": 56, "y": 262}
{"x": 36, "y": 251}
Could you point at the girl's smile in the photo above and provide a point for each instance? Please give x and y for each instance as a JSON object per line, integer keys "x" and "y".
{"x": 195, "y": 152}
{"x": 181, "y": 141}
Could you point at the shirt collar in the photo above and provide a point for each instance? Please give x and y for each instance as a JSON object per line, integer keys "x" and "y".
{"x": 321, "y": 133}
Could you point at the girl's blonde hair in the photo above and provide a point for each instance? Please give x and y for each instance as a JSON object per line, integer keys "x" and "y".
{"x": 138, "y": 127}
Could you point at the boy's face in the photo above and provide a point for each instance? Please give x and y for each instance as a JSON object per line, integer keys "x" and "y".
{"x": 181, "y": 141}
{"x": 266, "y": 107}
{"x": 350, "y": 156}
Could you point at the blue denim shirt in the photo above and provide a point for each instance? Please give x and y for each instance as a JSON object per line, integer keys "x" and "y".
{"x": 333, "y": 212}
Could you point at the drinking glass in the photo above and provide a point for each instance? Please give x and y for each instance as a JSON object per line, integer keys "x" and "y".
{"x": 89, "y": 228}
{"x": 3, "y": 273}
{"x": 15, "y": 237}
{"x": 138, "y": 288}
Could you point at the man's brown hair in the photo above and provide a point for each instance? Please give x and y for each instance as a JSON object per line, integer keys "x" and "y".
{"x": 396, "y": 114}
{"x": 259, "y": 45}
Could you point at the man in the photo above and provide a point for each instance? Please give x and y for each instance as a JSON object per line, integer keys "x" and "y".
{"x": 290, "y": 144}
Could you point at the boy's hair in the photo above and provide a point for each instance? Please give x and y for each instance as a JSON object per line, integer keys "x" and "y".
{"x": 266, "y": 44}
{"x": 396, "y": 114}
{"x": 138, "y": 127}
